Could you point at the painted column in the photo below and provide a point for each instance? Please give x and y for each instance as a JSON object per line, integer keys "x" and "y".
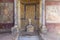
{"x": 15, "y": 30}
{"x": 40, "y": 11}
{"x": 19, "y": 19}
{"x": 44, "y": 30}
{"x": 15, "y": 12}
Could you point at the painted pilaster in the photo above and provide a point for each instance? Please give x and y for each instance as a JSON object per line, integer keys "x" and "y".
{"x": 18, "y": 7}
{"x": 40, "y": 11}
{"x": 44, "y": 29}
{"x": 15, "y": 13}
{"x": 15, "y": 30}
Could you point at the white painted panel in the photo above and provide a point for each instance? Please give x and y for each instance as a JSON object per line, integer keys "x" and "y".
{"x": 53, "y": 13}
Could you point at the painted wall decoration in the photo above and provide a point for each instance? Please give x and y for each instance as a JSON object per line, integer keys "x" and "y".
{"x": 52, "y": 20}
{"x": 30, "y": 11}
{"x": 6, "y": 12}
{"x": 25, "y": 11}
{"x": 53, "y": 13}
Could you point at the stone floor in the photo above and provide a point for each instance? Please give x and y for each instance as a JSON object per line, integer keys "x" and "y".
{"x": 46, "y": 36}
{"x": 6, "y": 36}
{"x": 29, "y": 38}
{"x": 52, "y": 34}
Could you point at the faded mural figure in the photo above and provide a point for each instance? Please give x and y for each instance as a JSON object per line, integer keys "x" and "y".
{"x": 5, "y": 17}
{"x": 6, "y": 13}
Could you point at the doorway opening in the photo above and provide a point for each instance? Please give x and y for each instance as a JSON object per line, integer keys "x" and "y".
{"x": 30, "y": 14}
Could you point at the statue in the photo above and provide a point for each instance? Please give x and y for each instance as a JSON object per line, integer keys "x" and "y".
{"x": 30, "y": 27}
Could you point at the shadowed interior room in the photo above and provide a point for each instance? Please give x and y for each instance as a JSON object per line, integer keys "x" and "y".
{"x": 29, "y": 11}
{"x": 29, "y": 19}
{"x": 21, "y": 15}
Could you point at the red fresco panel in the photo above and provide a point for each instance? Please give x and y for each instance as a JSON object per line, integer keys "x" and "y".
{"x": 52, "y": 12}
{"x": 52, "y": 26}
{"x": 53, "y": 3}
{"x": 6, "y": 0}
{"x": 7, "y": 13}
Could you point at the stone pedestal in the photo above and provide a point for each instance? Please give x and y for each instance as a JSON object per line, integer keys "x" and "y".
{"x": 44, "y": 29}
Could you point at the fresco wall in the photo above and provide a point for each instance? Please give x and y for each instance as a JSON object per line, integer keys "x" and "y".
{"x": 53, "y": 17}
{"x": 6, "y": 12}
{"x": 53, "y": 13}
{"x": 52, "y": 20}
{"x": 29, "y": 10}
